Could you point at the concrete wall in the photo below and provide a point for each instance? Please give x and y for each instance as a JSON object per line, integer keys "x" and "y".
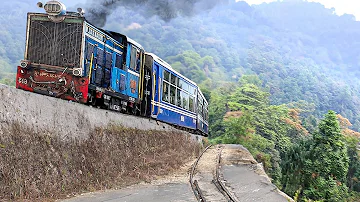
{"x": 61, "y": 116}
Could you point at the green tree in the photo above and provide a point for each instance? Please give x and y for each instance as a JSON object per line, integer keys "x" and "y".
{"x": 318, "y": 166}
{"x": 329, "y": 153}
{"x": 328, "y": 162}
{"x": 293, "y": 166}
{"x": 353, "y": 174}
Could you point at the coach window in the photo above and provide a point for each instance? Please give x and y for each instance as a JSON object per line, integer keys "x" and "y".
{"x": 181, "y": 83}
{"x": 186, "y": 86}
{"x": 166, "y": 76}
{"x": 172, "y": 94}
{"x": 200, "y": 110}
{"x": 206, "y": 113}
{"x": 200, "y": 106}
{"x": 191, "y": 90}
{"x": 191, "y": 103}
{"x": 178, "y": 98}
{"x": 185, "y": 100}
{"x": 173, "y": 79}
{"x": 177, "y": 79}
{"x": 165, "y": 96}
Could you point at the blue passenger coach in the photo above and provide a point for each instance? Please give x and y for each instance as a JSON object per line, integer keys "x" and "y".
{"x": 174, "y": 98}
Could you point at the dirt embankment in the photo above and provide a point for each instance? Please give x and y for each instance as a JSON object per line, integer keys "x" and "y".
{"x": 39, "y": 165}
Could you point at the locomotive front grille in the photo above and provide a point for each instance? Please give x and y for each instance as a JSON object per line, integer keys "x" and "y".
{"x": 56, "y": 44}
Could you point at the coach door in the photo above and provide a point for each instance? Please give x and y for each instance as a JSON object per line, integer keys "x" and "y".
{"x": 146, "y": 93}
{"x": 155, "y": 91}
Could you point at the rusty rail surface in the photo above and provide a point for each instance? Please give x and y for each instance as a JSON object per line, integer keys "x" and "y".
{"x": 194, "y": 184}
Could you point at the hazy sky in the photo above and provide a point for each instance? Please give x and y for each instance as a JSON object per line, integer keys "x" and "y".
{"x": 341, "y": 6}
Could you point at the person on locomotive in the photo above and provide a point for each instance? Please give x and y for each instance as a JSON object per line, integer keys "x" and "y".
{"x": 137, "y": 61}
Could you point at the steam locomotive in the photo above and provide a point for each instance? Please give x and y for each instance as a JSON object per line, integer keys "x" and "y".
{"x": 69, "y": 58}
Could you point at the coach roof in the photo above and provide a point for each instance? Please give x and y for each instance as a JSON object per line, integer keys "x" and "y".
{"x": 135, "y": 43}
{"x": 165, "y": 64}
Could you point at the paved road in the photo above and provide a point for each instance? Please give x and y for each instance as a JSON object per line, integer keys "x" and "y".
{"x": 170, "y": 192}
{"x": 247, "y": 185}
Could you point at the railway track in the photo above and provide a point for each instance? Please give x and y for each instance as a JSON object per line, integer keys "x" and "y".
{"x": 194, "y": 183}
{"x": 219, "y": 184}
{"x": 216, "y": 181}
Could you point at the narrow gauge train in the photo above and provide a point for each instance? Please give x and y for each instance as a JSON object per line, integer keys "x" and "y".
{"x": 69, "y": 58}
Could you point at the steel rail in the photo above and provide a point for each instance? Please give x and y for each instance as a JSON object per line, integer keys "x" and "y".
{"x": 194, "y": 184}
{"x": 220, "y": 185}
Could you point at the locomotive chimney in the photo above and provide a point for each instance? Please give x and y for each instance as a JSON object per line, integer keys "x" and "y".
{"x": 40, "y": 4}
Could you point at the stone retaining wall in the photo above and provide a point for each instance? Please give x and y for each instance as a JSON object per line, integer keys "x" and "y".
{"x": 63, "y": 117}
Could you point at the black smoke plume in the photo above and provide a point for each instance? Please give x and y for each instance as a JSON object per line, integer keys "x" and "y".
{"x": 98, "y": 10}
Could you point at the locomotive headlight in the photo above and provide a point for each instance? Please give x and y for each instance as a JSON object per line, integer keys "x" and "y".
{"x": 81, "y": 11}
{"x": 24, "y": 63}
{"x": 55, "y": 8}
{"x": 77, "y": 72}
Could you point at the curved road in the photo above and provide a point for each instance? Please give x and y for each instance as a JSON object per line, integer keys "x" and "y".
{"x": 241, "y": 174}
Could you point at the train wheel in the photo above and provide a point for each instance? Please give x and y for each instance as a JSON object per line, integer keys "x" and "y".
{"x": 93, "y": 102}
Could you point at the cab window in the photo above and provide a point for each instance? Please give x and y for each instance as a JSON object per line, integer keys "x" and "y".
{"x": 118, "y": 61}
{"x": 135, "y": 59}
